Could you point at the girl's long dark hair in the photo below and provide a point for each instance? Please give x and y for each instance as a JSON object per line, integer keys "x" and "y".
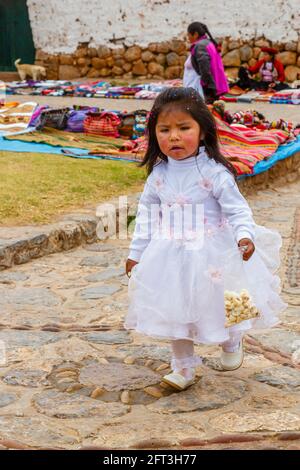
{"x": 189, "y": 101}
{"x": 201, "y": 29}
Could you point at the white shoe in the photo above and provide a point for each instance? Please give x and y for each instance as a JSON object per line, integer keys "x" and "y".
{"x": 178, "y": 381}
{"x": 232, "y": 360}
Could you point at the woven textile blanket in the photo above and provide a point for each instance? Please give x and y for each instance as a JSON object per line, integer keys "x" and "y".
{"x": 245, "y": 147}
{"x": 95, "y": 145}
{"x": 15, "y": 117}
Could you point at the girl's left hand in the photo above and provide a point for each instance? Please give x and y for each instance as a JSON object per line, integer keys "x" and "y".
{"x": 130, "y": 263}
{"x": 247, "y": 248}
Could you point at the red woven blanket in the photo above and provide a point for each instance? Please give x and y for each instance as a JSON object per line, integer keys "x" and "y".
{"x": 244, "y": 147}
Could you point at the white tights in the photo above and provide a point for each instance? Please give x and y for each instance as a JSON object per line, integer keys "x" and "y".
{"x": 232, "y": 344}
{"x": 184, "y": 361}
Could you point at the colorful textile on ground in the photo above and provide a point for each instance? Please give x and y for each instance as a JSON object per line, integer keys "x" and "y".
{"x": 15, "y": 117}
{"x": 286, "y": 97}
{"x": 10, "y": 145}
{"x": 283, "y": 151}
{"x": 243, "y": 147}
{"x": 93, "y": 144}
{"x": 145, "y": 91}
{"x": 237, "y": 95}
{"x": 95, "y": 89}
{"x": 251, "y": 118}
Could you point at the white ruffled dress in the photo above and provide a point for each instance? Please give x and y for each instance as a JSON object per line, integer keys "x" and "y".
{"x": 176, "y": 291}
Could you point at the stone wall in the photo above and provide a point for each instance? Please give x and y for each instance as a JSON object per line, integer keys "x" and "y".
{"x": 160, "y": 59}
{"x": 59, "y": 26}
{"x": 283, "y": 172}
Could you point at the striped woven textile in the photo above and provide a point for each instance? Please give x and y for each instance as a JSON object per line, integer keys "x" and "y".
{"x": 244, "y": 147}
{"x": 104, "y": 124}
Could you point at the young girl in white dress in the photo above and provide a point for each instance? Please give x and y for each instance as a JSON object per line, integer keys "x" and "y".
{"x": 194, "y": 240}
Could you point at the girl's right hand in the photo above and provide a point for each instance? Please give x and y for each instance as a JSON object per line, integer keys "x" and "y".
{"x": 247, "y": 248}
{"x": 129, "y": 265}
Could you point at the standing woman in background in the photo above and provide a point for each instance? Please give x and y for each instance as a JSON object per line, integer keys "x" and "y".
{"x": 207, "y": 75}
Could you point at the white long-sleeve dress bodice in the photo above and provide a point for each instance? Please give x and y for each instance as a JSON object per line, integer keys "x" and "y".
{"x": 190, "y": 218}
{"x": 191, "y": 77}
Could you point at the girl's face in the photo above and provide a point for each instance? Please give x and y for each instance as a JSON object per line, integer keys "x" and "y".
{"x": 178, "y": 134}
{"x": 268, "y": 57}
{"x": 193, "y": 37}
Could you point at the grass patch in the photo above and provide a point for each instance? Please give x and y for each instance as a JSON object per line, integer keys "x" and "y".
{"x": 35, "y": 188}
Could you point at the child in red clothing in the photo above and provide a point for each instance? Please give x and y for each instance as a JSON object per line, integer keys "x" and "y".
{"x": 271, "y": 72}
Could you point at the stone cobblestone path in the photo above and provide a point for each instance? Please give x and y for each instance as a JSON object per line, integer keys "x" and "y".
{"x": 74, "y": 378}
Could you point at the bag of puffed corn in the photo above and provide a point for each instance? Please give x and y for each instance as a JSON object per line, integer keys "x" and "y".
{"x": 239, "y": 304}
{"x": 238, "y": 307}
